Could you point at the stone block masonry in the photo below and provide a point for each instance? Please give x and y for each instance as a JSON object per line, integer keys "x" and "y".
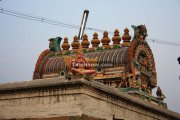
{"x": 59, "y": 99}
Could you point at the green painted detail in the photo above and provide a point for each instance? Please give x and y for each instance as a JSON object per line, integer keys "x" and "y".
{"x": 68, "y": 52}
{"x": 116, "y": 46}
{"x": 135, "y": 63}
{"x": 128, "y": 89}
{"x": 99, "y": 48}
{"x": 151, "y": 79}
{"x": 85, "y": 50}
{"x": 54, "y": 44}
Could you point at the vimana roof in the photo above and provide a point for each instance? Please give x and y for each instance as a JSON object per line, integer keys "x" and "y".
{"x": 127, "y": 64}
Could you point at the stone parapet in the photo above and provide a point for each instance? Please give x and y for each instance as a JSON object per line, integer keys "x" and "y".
{"x": 57, "y": 98}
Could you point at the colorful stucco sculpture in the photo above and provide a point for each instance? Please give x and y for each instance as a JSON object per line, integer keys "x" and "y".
{"x": 127, "y": 65}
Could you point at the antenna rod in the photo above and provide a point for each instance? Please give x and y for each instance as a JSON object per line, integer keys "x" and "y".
{"x": 83, "y": 24}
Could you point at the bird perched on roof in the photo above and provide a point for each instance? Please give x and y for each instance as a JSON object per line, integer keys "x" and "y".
{"x": 159, "y": 94}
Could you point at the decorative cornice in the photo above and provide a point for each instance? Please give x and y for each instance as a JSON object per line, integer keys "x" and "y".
{"x": 56, "y": 84}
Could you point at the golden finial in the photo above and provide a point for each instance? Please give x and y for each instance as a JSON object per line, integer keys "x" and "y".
{"x": 85, "y": 43}
{"x": 65, "y": 44}
{"x": 126, "y": 37}
{"x": 95, "y": 42}
{"x": 75, "y": 43}
{"x": 105, "y": 40}
{"x": 116, "y": 38}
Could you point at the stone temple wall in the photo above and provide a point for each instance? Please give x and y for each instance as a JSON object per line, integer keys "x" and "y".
{"x": 58, "y": 99}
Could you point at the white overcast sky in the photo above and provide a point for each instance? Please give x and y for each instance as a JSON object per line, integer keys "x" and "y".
{"x": 22, "y": 41}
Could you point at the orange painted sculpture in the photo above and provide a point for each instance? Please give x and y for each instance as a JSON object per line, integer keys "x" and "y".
{"x": 81, "y": 66}
{"x": 126, "y": 65}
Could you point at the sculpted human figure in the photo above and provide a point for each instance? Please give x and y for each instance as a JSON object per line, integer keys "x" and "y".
{"x": 135, "y": 82}
{"x": 81, "y": 66}
{"x": 113, "y": 84}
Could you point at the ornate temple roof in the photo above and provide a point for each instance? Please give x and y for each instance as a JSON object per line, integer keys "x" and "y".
{"x": 124, "y": 64}
{"x": 127, "y": 65}
{"x": 113, "y": 56}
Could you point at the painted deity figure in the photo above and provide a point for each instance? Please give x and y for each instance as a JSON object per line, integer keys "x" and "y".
{"x": 134, "y": 80}
{"x": 124, "y": 80}
{"x": 136, "y": 83}
{"x": 113, "y": 84}
{"x": 81, "y": 66}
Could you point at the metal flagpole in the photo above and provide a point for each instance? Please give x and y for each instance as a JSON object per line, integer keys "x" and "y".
{"x": 83, "y": 24}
